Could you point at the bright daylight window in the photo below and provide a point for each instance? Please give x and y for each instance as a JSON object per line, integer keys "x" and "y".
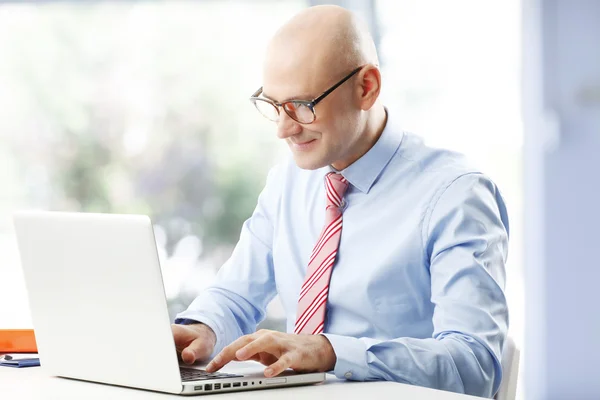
{"x": 136, "y": 107}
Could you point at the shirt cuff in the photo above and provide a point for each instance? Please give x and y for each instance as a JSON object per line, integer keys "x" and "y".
{"x": 351, "y": 356}
{"x": 212, "y": 325}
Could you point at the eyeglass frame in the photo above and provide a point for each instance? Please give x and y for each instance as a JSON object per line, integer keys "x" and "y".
{"x": 308, "y": 103}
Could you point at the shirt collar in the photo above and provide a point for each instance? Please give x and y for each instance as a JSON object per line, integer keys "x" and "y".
{"x": 363, "y": 172}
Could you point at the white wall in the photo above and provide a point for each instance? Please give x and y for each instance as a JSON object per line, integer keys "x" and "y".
{"x": 561, "y": 82}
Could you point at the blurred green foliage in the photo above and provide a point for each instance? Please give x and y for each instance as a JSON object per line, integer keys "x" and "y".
{"x": 139, "y": 108}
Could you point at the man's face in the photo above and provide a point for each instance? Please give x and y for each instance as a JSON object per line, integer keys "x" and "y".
{"x": 330, "y": 138}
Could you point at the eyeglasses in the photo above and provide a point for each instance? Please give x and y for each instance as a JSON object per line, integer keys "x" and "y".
{"x": 302, "y": 111}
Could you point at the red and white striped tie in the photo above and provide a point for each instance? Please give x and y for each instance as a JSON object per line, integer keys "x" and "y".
{"x": 313, "y": 295}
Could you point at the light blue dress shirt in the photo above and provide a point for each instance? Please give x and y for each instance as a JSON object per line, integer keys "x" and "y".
{"x": 417, "y": 292}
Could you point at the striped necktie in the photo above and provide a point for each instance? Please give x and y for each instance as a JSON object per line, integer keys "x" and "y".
{"x": 313, "y": 294}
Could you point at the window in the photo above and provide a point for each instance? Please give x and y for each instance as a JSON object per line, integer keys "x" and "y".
{"x": 136, "y": 107}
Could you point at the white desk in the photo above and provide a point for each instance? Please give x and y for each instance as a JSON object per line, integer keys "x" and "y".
{"x": 33, "y": 384}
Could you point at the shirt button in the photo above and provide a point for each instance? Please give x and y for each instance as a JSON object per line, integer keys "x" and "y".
{"x": 348, "y": 375}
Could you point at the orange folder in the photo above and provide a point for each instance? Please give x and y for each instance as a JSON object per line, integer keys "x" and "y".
{"x": 17, "y": 341}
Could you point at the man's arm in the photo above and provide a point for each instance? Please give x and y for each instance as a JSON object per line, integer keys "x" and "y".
{"x": 465, "y": 244}
{"x": 244, "y": 286}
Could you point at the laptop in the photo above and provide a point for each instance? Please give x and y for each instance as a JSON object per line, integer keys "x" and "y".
{"x": 99, "y": 309}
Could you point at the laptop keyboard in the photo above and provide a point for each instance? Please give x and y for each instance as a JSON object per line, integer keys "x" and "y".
{"x": 190, "y": 374}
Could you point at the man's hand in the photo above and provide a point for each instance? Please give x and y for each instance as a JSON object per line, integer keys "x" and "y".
{"x": 194, "y": 342}
{"x": 279, "y": 351}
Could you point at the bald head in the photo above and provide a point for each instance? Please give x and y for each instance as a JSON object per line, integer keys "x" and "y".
{"x": 310, "y": 54}
{"x": 318, "y": 39}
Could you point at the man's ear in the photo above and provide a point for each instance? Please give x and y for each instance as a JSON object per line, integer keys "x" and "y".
{"x": 369, "y": 79}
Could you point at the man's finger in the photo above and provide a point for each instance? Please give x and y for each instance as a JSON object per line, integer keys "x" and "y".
{"x": 188, "y": 356}
{"x": 198, "y": 350}
{"x": 228, "y": 353}
{"x": 265, "y": 343}
{"x": 284, "y": 362}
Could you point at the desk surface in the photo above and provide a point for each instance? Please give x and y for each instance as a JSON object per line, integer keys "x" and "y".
{"x": 34, "y": 384}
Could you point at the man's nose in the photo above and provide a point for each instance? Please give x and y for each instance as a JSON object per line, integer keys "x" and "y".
{"x": 286, "y": 126}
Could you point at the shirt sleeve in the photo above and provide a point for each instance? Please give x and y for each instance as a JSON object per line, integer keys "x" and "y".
{"x": 236, "y": 302}
{"x": 465, "y": 236}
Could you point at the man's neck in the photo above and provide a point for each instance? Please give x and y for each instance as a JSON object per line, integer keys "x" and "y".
{"x": 376, "y": 124}
{"x": 373, "y": 130}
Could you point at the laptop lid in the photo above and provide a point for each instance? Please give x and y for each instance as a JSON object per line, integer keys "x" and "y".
{"x": 97, "y": 299}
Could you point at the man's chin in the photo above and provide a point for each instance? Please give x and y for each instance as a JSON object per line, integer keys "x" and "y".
{"x": 309, "y": 161}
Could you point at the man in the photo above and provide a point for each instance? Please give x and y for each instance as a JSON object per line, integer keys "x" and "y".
{"x": 388, "y": 255}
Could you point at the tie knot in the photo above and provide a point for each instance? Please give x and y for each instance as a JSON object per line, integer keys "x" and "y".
{"x": 335, "y": 186}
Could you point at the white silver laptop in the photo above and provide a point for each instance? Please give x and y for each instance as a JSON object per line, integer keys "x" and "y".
{"x": 99, "y": 309}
